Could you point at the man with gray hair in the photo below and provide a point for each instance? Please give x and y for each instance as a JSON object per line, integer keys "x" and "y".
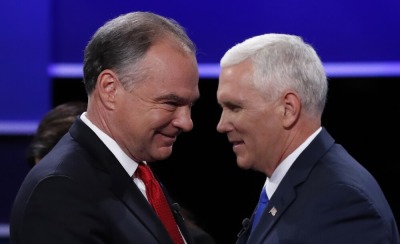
{"x": 95, "y": 186}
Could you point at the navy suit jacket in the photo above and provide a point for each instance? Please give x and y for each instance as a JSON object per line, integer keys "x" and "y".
{"x": 325, "y": 197}
{"x": 80, "y": 193}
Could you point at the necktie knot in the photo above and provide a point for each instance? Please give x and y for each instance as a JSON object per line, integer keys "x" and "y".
{"x": 144, "y": 173}
{"x": 263, "y": 197}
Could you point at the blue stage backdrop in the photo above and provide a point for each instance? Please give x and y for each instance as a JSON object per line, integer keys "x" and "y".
{"x": 45, "y": 39}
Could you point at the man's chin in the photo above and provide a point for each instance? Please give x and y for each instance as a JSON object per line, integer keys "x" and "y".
{"x": 242, "y": 164}
{"x": 162, "y": 153}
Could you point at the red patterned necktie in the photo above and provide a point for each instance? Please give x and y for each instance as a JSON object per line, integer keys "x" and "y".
{"x": 157, "y": 199}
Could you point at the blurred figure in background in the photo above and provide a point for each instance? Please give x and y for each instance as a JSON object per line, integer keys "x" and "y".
{"x": 51, "y": 128}
{"x": 272, "y": 90}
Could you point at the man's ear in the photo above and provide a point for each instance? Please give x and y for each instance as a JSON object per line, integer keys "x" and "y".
{"x": 107, "y": 83}
{"x": 292, "y": 108}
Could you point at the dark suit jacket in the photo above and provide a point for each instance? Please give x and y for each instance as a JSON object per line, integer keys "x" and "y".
{"x": 325, "y": 197}
{"x": 80, "y": 193}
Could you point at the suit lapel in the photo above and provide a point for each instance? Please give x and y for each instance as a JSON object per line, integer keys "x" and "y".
{"x": 117, "y": 180}
{"x": 135, "y": 201}
{"x": 279, "y": 202}
{"x": 285, "y": 194}
{"x": 177, "y": 215}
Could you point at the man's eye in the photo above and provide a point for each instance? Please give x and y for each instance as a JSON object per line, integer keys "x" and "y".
{"x": 172, "y": 103}
{"x": 233, "y": 108}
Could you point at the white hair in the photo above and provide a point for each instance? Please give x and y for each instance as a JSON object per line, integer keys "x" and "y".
{"x": 281, "y": 62}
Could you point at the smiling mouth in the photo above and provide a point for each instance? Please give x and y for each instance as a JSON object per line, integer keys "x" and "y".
{"x": 170, "y": 139}
{"x": 236, "y": 143}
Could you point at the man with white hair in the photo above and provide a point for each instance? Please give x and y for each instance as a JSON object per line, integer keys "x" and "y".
{"x": 272, "y": 90}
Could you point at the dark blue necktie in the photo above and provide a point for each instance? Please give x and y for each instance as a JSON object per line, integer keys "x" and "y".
{"x": 262, "y": 203}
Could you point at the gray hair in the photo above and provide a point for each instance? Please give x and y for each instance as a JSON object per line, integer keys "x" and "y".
{"x": 122, "y": 42}
{"x": 283, "y": 62}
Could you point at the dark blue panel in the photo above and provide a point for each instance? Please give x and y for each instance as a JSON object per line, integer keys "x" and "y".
{"x": 24, "y": 56}
{"x": 341, "y": 30}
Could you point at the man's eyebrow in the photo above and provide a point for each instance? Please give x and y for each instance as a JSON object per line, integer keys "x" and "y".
{"x": 172, "y": 97}
{"x": 230, "y": 104}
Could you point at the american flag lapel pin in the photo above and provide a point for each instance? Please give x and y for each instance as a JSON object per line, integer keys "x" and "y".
{"x": 273, "y": 211}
